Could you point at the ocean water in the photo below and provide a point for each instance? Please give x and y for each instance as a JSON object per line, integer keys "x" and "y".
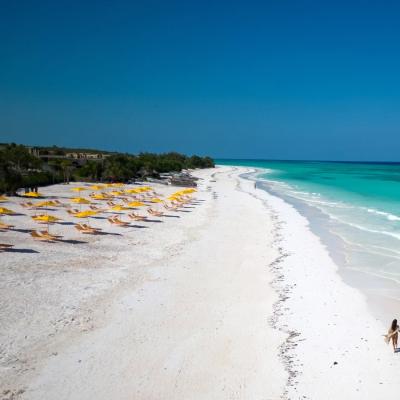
{"x": 357, "y": 203}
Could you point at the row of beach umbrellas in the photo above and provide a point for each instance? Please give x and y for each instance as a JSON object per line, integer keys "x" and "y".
{"x": 49, "y": 219}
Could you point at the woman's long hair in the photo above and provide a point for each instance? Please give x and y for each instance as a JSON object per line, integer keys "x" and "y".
{"x": 394, "y": 325}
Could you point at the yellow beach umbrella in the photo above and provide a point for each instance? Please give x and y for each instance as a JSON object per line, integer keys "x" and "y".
{"x": 80, "y": 200}
{"x": 47, "y": 203}
{"x": 7, "y": 211}
{"x": 117, "y": 193}
{"x": 131, "y": 191}
{"x": 119, "y": 208}
{"x": 46, "y": 218}
{"x": 97, "y": 187}
{"x": 135, "y": 204}
{"x": 85, "y": 214}
{"x": 118, "y": 184}
{"x": 32, "y": 194}
{"x": 100, "y": 197}
{"x": 156, "y": 200}
{"x": 78, "y": 189}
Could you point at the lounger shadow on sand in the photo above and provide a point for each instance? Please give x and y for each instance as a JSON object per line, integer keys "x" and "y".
{"x": 13, "y": 250}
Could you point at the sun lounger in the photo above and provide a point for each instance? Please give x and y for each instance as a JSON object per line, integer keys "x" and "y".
{"x": 37, "y": 236}
{"x": 84, "y": 228}
{"x": 156, "y": 213}
{"x": 4, "y": 226}
{"x": 117, "y": 221}
{"x": 5, "y": 246}
{"x": 95, "y": 208}
{"x": 50, "y": 235}
{"x": 170, "y": 208}
{"x": 137, "y": 217}
{"x": 27, "y": 204}
{"x": 73, "y": 211}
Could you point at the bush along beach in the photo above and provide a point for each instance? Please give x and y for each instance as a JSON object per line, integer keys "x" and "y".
{"x": 30, "y": 167}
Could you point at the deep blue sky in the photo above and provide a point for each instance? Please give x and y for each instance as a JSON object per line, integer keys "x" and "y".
{"x": 283, "y": 79}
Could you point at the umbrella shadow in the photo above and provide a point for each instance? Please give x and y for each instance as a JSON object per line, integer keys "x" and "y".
{"x": 20, "y": 251}
{"x": 71, "y": 241}
{"x": 171, "y": 216}
{"x": 22, "y": 230}
{"x": 153, "y": 220}
{"x": 109, "y": 233}
{"x": 138, "y": 226}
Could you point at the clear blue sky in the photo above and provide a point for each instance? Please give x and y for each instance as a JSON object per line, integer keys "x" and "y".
{"x": 245, "y": 79}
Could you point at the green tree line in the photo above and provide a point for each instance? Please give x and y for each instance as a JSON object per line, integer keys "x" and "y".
{"x": 20, "y": 169}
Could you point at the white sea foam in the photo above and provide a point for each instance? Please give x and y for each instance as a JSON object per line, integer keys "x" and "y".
{"x": 389, "y": 216}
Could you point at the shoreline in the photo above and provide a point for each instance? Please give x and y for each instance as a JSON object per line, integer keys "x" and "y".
{"x": 236, "y": 296}
{"x": 333, "y": 335}
{"x": 382, "y": 294}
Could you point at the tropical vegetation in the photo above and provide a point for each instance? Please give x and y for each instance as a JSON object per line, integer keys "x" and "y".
{"x": 22, "y": 168}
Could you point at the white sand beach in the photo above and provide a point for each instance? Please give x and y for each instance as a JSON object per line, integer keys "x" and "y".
{"x": 232, "y": 297}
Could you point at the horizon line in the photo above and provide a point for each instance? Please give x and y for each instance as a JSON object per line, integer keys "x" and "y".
{"x": 306, "y": 160}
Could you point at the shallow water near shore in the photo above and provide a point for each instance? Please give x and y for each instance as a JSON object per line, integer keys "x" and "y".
{"x": 354, "y": 209}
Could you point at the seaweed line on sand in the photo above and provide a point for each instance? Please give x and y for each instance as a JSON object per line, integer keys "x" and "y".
{"x": 283, "y": 290}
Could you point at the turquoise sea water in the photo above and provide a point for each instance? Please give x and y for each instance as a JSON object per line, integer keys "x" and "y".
{"x": 359, "y": 204}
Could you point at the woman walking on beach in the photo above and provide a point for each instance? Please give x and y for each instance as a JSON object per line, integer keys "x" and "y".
{"x": 393, "y": 334}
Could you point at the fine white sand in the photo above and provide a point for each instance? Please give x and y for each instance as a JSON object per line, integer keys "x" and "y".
{"x": 178, "y": 309}
{"x": 233, "y": 297}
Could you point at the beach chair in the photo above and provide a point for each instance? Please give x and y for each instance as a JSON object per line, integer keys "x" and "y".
{"x": 59, "y": 204}
{"x": 4, "y": 226}
{"x": 72, "y": 211}
{"x": 37, "y": 236}
{"x": 111, "y": 204}
{"x": 137, "y": 217}
{"x": 50, "y": 235}
{"x": 95, "y": 208}
{"x": 84, "y": 228}
{"x": 27, "y": 204}
{"x": 116, "y": 221}
{"x": 5, "y": 246}
{"x": 170, "y": 207}
{"x": 155, "y": 213}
